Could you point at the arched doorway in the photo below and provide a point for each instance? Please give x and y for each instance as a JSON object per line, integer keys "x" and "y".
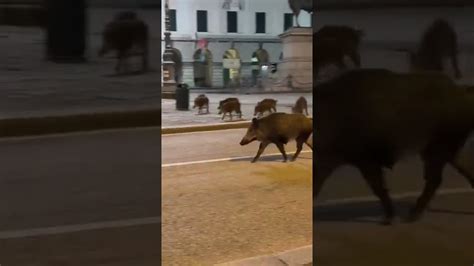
{"x": 178, "y": 64}
{"x": 260, "y": 58}
{"x": 202, "y": 68}
{"x": 231, "y": 68}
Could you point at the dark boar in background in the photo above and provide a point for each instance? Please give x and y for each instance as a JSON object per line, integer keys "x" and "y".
{"x": 201, "y": 101}
{"x": 266, "y": 105}
{"x": 122, "y": 34}
{"x": 438, "y": 42}
{"x": 300, "y": 105}
{"x": 229, "y": 107}
{"x": 372, "y": 118}
{"x": 332, "y": 43}
{"x": 279, "y": 129}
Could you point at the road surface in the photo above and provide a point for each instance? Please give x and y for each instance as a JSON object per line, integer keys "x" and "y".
{"x": 346, "y": 230}
{"x": 218, "y": 207}
{"x": 81, "y": 199}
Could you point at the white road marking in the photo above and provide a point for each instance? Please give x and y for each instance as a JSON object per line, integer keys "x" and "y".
{"x": 54, "y": 230}
{"x": 223, "y": 159}
{"x": 199, "y": 132}
{"x": 411, "y": 194}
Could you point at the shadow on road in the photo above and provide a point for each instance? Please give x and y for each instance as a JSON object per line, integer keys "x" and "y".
{"x": 271, "y": 158}
{"x": 454, "y": 212}
{"x": 370, "y": 212}
{"x": 359, "y": 212}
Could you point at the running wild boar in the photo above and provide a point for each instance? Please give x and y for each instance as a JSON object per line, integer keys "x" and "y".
{"x": 372, "y": 118}
{"x": 279, "y": 129}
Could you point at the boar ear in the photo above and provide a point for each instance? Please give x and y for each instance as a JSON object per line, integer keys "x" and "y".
{"x": 255, "y": 122}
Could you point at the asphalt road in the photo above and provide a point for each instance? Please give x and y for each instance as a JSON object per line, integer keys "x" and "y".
{"x": 218, "y": 207}
{"x": 82, "y": 199}
{"x": 346, "y": 230}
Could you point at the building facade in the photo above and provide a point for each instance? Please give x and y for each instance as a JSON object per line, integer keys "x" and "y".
{"x": 223, "y": 43}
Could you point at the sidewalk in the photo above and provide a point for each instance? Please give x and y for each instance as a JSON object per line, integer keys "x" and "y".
{"x": 172, "y": 117}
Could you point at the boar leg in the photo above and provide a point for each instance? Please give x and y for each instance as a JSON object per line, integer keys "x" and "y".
{"x": 373, "y": 175}
{"x": 454, "y": 63}
{"x": 261, "y": 148}
{"x": 433, "y": 171}
{"x": 464, "y": 173}
{"x": 145, "y": 59}
{"x": 299, "y": 147}
{"x": 322, "y": 170}
{"x": 281, "y": 148}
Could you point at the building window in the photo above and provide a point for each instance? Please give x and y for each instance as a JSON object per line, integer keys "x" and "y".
{"x": 173, "y": 20}
{"x": 260, "y": 22}
{"x": 288, "y": 23}
{"x": 202, "y": 21}
{"x": 231, "y": 21}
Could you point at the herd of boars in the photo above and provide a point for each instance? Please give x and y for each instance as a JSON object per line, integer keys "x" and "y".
{"x": 277, "y": 127}
{"x": 367, "y": 118}
{"x": 373, "y": 118}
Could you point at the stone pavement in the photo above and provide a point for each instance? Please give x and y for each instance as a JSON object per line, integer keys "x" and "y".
{"x": 31, "y": 86}
{"x": 172, "y": 117}
{"x": 302, "y": 256}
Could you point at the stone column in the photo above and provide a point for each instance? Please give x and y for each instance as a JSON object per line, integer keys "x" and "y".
{"x": 297, "y": 62}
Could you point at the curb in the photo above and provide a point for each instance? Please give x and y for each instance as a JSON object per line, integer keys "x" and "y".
{"x": 207, "y": 127}
{"x": 302, "y": 256}
{"x": 248, "y": 92}
{"x": 19, "y": 127}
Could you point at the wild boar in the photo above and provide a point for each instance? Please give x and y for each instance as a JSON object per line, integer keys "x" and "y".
{"x": 300, "y": 105}
{"x": 122, "y": 34}
{"x": 264, "y": 106}
{"x": 226, "y": 100}
{"x": 229, "y": 107}
{"x": 279, "y": 129}
{"x": 201, "y": 101}
{"x": 372, "y": 118}
{"x": 332, "y": 43}
{"x": 439, "y": 41}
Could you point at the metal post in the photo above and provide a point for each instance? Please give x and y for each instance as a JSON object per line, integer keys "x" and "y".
{"x": 169, "y": 82}
{"x": 66, "y": 30}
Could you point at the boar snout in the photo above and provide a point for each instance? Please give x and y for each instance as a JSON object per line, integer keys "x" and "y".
{"x": 246, "y": 140}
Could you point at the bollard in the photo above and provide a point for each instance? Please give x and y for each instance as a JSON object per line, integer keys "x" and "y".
{"x": 182, "y": 97}
{"x": 66, "y": 30}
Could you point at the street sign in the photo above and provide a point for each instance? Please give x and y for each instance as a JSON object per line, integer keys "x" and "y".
{"x": 231, "y": 63}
